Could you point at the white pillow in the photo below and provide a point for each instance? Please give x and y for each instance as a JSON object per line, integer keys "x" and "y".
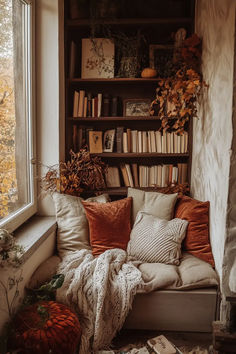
{"x": 158, "y": 204}
{"x": 154, "y": 240}
{"x": 73, "y": 229}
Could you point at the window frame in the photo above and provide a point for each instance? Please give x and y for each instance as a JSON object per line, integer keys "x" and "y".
{"x": 18, "y": 217}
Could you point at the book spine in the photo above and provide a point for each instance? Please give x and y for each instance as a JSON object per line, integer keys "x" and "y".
{"x": 135, "y": 174}
{"x": 106, "y": 106}
{"x": 81, "y": 103}
{"x": 89, "y": 109}
{"x": 119, "y": 139}
{"x": 75, "y": 104}
{"x": 85, "y": 106}
{"x": 125, "y": 142}
{"x": 114, "y": 107}
{"x": 96, "y": 106}
{"x": 99, "y": 104}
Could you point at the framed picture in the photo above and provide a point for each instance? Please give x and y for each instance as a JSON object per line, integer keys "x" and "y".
{"x": 136, "y": 107}
{"x": 95, "y": 142}
{"x": 108, "y": 140}
{"x": 161, "y": 58}
{"x": 97, "y": 58}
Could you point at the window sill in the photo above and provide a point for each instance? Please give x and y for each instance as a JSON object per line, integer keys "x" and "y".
{"x": 34, "y": 232}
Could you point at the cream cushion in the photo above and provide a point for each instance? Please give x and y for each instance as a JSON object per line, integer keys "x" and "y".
{"x": 157, "y": 204}
{"x": 73, "y": 229}
{"x": 156, "y": 240}
{"x": 192, "y": 273}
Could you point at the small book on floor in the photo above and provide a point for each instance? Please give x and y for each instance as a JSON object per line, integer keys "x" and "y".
{"x": 161, "y": 345}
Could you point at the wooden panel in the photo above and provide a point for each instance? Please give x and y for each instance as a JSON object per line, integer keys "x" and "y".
{"x": 171, "y": 310}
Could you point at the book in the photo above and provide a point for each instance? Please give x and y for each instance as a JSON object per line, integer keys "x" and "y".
{"x": 130, "y": 177}
{"x": 99, "y": 104}
{"x": 149, "y": 141}
{"x": 95, "y": 106}
{"x": 168, "y": 142}
{"x": 152, "y": 180}
{"x": 153, "y": 141}
{"x": 134, "y": 134}
{"x": 175, "y": 174}
{"x": 112, "y": 177}
{"x": 182, "y": 146}
{"x": 95, "y": 142}
{"x": 163, "y": 143}
{"x": 125, "y": 142}
{"x": 85, "y": 106}
{"x": 159, "y": 175}
{"x": 76, "y": 104}
{"x": 119, "y": 139}
{"x": 161, "y": 345}
{"x": 81, "y": 103}
{"x": 140, "y": 143}
{"x": 114, "y": 106}
{"x": 135, "y": 174}
{"x": 108, "y": 140}
{"x": 172, "y": 142}
{"x": 125, "y": 175}
{"x": 144, "y": 141}
{"x": 89, "y": 104}
{"x": 106, "y": 105}
{"x": 185, "y": 141}
{"x": 129, "y": 139}
{"x": 158, "y": 141}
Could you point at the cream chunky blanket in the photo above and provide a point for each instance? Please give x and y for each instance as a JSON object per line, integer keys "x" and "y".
{"x": 101, "y": 291}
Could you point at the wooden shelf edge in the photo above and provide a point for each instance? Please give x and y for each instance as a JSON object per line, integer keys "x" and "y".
{"x": 136, "y": 155}
{"x": 108, "y": 119}
{"x": 128, "y": 21}
{"x": 115, "y": 79}
{"x": 123, "y": 190}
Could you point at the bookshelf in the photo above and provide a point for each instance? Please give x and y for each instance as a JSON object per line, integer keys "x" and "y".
{"x": 157, "y": 24}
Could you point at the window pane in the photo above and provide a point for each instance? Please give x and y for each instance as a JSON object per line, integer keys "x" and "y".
{"x": 15, "y": 108}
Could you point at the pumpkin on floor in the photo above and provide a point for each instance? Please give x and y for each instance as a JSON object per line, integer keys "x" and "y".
{"x": 47, "y": 327}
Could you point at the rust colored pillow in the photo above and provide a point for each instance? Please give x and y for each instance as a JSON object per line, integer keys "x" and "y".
{"x": 109, "y": 224}
{"x": 197, "y": 240}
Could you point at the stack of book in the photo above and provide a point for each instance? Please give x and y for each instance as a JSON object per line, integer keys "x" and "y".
{"x": 151, "y": 141}
{"x": 87, "y": 105}
{"x": 147, "y": 176}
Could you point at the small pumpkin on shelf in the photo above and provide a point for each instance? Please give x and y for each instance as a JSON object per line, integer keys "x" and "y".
{"x": 148, "y": 73}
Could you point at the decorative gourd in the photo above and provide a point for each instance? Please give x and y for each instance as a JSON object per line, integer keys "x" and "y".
{"x": 148, "y": 73}
{"x": 47, "y": 327}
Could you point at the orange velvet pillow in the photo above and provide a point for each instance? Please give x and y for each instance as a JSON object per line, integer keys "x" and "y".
{"x": 109, "y": 224}
{"x": 197, "y": 240}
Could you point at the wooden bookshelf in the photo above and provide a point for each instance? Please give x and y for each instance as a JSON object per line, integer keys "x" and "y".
{"x": 158, "y": 28}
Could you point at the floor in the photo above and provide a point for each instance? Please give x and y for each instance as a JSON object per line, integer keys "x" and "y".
{"x": 195, "y": 343}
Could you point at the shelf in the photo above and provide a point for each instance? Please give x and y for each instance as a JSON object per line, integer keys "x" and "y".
{"x": 111, "y": 119}
{"x": 116, "y": 80}
{"x": 128, "y": 21}
{"x": 123, "y": 190}
{"x": 136, "y": 155}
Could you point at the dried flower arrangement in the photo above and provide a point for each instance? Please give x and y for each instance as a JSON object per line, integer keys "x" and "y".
{"x": 83, "y": 171}
{"x": 176, "y": 96}
{"x": 10, "y": 252}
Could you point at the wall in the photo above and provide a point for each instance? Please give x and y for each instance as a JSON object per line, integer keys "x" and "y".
{"x": 213, "y": 131}
{"x": 49, "y": 90}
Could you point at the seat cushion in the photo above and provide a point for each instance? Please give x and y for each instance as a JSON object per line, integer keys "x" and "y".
{"x": 192, "y": 273}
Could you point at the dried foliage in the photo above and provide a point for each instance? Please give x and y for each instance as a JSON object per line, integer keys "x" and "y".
{"x": 181, "y": 189}
{"x": 82, "y": 172}
{"x": 176, "y": 96}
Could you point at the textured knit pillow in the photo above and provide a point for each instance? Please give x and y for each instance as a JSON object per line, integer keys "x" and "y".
{"x": 197, "y": 236}
{"x": 73, "y": 232}
{"x": 155, "y": 240}
{"x": 157, "y": 204}
{"x": 109, "y": 224}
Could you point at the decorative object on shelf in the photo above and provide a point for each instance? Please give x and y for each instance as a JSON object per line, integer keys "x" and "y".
{"x": 10, "y": 252}
{"x": 161, "y": 59}
{"x": 108, "y": 140}
{"x": 136, "y": 107}
{"x": 148, "y": 73}
{"x": 82, "y": 172}
{"x": 97, "y": 58}
{"x": 95, "y": 142}
{"x": 176, "y": 96}
{"x": 45, "y": 327}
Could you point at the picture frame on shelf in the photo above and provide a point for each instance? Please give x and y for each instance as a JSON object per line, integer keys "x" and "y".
{"x": 161, "y": 58}
{"x": 108, "y": 140}
{"x": 98, "y": 58}
{"x": 136, "y": 107}
{"x": 95, "y": 142}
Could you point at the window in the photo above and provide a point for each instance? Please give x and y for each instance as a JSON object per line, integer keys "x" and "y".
{"x": 17, "y": 182}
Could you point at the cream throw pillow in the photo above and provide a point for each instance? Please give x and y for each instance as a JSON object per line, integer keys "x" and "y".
{"x": 73, "y": 230}
{"x": 156, "y": 240}
{"x": 157, "y": 204}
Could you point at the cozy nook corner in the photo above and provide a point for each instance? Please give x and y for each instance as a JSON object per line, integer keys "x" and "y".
{"x": 194, "y": 294}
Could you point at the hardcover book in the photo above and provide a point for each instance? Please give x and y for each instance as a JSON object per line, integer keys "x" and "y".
{"x": 161, "y": 345}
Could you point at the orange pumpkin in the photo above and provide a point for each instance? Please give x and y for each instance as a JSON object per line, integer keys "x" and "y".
{"x": 46, "y": 327}
{"x": 148, "y": 73}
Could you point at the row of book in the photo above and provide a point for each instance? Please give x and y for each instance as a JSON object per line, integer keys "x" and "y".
{"x": 150, "y": 141}
{"x": 128, "y": 141}
{"x": 87, "y": 105}
{"x": 135, "y": 175}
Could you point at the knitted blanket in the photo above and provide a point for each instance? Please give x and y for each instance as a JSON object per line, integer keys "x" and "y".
{"x": 101, "y": 291}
